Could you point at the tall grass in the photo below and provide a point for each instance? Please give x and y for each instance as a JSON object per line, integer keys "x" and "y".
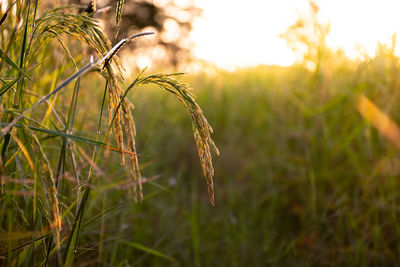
{"x": 304, "y": 177}
{"x": 49, "y": 165}
{"x": 308, "y": 173}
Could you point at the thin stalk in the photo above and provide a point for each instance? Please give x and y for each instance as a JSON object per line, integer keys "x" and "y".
{"x": 19, "y": 93}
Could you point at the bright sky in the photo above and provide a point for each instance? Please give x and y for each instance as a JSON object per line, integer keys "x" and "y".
{"x": 234, "y": 33}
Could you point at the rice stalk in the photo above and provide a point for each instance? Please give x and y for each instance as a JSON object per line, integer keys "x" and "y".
{"x": 27, "y": 154}
{"x": 201, "y": 128}
{"x": 120, "y": 5}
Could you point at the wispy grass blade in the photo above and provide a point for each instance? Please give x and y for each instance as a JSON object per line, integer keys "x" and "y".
{"x": 70, "y": 249}
{"x": 147, "y": 250}
{"x": 19, "y": 93}
{"x": 24, "y": 151}
{"x": 75, "y": 138}
{"x": 34, "y": 14}
{"x": 88, "y": 222}
{"x": 10, "y": 62}
{"x": 7, "y": 86}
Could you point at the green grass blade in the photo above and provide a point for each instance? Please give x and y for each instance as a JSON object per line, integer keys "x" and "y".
{"x": 61, "y": 165}
{"x": 102, "y": 106}
{"x": 70, "y": 250}
{"x": 10, "y": 62}
{"x": 3, "y": 18}
{"x": 117, "y": 240}
{"x": 35, "y": 191}
{"x": 34, "y": 14}
{"x": 194, "y": 225}
{"x": 7, "y": 86}
{"x": 27, "y": 244}
{"x": 71, "y": 136}
{"x": 74, "y": 137}
{"x": 147, "y": 250}
{"x": 104, "y": 212}
{"x": 29, "y": 257}
{"x": 20, "y": 84}
{"x": 72, "y": 109}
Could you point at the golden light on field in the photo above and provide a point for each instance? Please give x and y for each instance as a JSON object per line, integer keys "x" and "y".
{"x": 234, "y": 33}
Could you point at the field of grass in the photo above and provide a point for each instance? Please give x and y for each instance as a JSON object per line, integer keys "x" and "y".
{"x": 303, "y": 179}
{"x": 308, "y": 172}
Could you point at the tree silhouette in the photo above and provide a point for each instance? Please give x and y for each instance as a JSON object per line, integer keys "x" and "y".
{"x": 171, "y": 22}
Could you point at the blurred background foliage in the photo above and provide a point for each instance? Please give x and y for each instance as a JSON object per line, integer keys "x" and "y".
{"x": 171, "y": 21}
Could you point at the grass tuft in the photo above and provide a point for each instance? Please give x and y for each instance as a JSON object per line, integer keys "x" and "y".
{"x": 54, "y": 146}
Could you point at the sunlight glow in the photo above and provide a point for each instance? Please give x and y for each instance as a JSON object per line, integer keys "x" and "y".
{"x": 234, "y": 33}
